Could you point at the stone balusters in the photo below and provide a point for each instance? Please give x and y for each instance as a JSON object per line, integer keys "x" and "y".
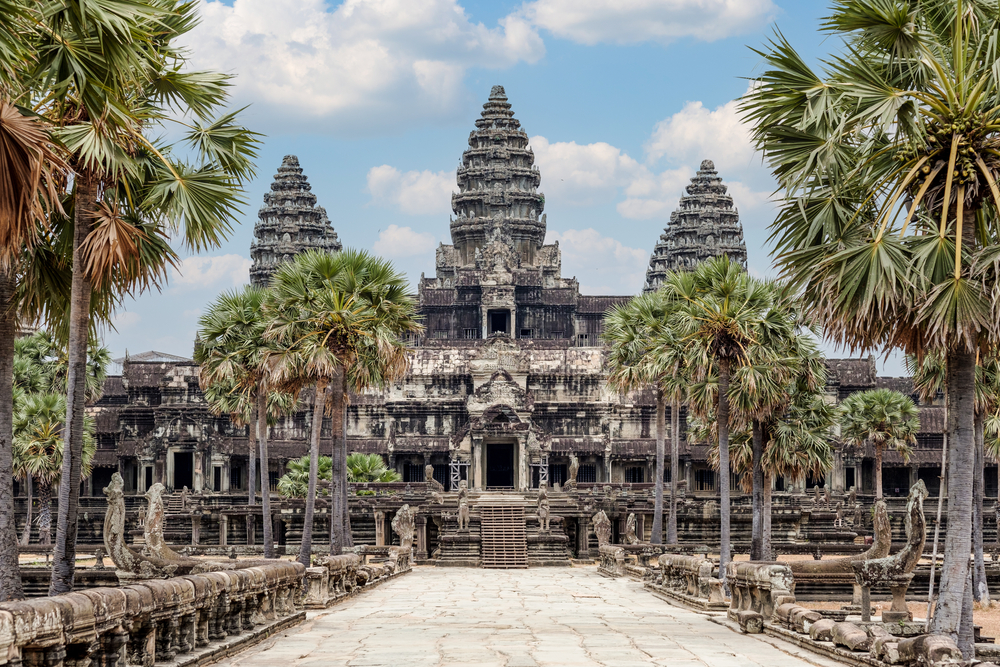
{"x": 759, "y": 588}
{"x": 152, "y": 621}
{"x": 688, "y": 579}
{"x": 612, "y": 560}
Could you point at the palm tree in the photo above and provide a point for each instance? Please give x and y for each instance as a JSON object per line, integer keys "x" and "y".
{"x": 644, "y": 351}
{"x": 38, "y": 450}
{"x": 881, "y": 418}
{"x": 295, "y": 482}
{"x": 30, "y": 168}
{"x": 369, "y": 468}
{"x": 721, "y": 315}
{"x": 889, "y": 167}
{"x": 231, "y": 353}
{"x": 103, "y": 77}
{"x": 338, "y": 319}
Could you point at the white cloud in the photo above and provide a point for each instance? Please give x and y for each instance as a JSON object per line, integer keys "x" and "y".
{"x": 412, "y": 192}
{"x": 631, "y": 21}
{"x": 606, "y": 265}
{"x": 359, "y": 64}
{"x": 582, "y": 174}
{"x": 695, "y": 133}
{"x": 219, "y": 271}
{"x": 396, "y": 241}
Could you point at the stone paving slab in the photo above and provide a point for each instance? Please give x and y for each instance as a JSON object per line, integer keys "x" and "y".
{"x": 523, "y": 618}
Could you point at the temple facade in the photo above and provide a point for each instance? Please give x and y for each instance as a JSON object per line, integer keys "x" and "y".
{"x": 507, "y": 388}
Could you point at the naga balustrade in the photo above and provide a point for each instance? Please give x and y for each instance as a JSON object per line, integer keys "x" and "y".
{"x": 612, "y": 560}
{"x": 148, "y": 621}
{"x": 759, "y": 587}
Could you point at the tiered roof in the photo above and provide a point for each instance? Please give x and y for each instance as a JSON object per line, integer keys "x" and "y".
{"x": 704, "y": 225}
{"x": 289, "y": 223}
{"x": 498, "y": 181}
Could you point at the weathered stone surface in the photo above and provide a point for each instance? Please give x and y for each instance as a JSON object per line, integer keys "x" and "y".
{"x": 822, "y": 630}
{"x": 759, "y": 586}
{"x": 602, "y": 528}
{"x": 930, "y": 650}
{"x": 750, "y": 622}
{"x": 850, "y": 636}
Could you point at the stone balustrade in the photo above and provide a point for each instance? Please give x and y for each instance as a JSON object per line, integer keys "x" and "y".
{"x": 334, "y": 578}
{"x": 612, "y": 560}
{"x": 759, "y": 588}
{"x": 148, "y": 621}
{"x": 687, "y": 579}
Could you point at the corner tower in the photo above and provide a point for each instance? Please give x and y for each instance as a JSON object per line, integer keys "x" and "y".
{"x": 288, "y": 223}
{"x": 704, "y": 225}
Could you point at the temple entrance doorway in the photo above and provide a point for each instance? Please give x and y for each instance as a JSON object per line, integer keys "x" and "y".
{"x": 500, "y": 465}
{"x": 183, "y": 470}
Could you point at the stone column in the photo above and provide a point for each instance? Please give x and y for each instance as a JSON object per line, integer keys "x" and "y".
{"x": 689, "y": 475}
{"x": 837, "y": 476}
{"x": 477, "y": 480}
{"x": 420, "y": 522}
{"x": 379, "y": 528}
{"x": 195, "y": 529}
{"x": 583, "y": 537}
{"x": 523, "y": 481}
{"x": 640, "y": 521}
{"x": 607, "y": 468}
{"x": 223, "y": 529}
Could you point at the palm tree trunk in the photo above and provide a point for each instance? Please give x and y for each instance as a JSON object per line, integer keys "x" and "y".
{"x": 252, "y": 447}
{"x": 980, "y": 587}
{"x": 44, "y": 512}
{"x": 64, "y": 552}
{"x": 10, "y": 571}
{"x": 661, "y": 427}
{"x": 675, "y": 446}
{"x": 265, "y": 482}
{"x": 348, "y": 538}
{"x": 757, "y": 472}
{"x": 878, "y": 472}
{"x": 766, "y": 533}
{"x": 723, "y": 418}
{"x": 305, "y": 551}
{"x": 338, "y": 474}
{"x": 29, "y": 483}
{"x": 961, "y": 392}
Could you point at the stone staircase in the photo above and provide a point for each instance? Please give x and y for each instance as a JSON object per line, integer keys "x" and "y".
{"x": 504, "y": 543}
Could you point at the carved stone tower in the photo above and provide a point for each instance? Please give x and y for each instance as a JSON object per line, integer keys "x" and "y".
{"x": 704, "y": 225}
{"x": 498, "y": 185}
{"x": 289, "y": 223}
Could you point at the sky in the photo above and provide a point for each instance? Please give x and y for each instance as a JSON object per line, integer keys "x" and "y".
{"x": 621, "y": 101}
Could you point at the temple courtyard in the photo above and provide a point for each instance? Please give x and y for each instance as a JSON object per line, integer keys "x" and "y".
{"x": 516, "y": 618}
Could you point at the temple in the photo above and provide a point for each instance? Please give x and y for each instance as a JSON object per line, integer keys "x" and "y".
{"x": 705, "y": 224}
{"x": 289, "y": 222}
{"x": 507, "y": 389}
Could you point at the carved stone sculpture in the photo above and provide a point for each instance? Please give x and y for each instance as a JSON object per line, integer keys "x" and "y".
{"x": 826, "y": 496}
{"x": 602, "y": 528}
{"x": 543, "y": 510}
{"x": 155, "y": 545}
{"x": 838, "y": 521}
{"x": 130, "y": 564}
{"x": 817, "y": 497}
{"x": 897, "y": 570}
{"x": 574, "y": 469}
{"x": 630, "y": 536}
{"x": 463, "y": 509}
{"x": 859, "y": 517}
{"x": 852, "y": 497}
{"x": 403, "y": 525}
{"x": 432, "y": 484}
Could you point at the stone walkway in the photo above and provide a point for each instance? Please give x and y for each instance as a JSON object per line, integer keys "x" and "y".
{"x": 546, "y": 617}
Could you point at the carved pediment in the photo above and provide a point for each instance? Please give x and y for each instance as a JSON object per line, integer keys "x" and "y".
{"x": 499, "y": 353}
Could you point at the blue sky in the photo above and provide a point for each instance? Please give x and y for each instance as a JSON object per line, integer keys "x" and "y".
{"x": 622, "y": 100}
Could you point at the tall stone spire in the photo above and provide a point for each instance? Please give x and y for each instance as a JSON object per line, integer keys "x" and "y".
{"x": 704, "y": 225}
{"x": 289, "y": 223}
{"x": 498, "y": 187}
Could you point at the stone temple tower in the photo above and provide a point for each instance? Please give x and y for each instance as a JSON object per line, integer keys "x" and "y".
{"x": 704, "y": 225}
{"x": 498, "y": 186}
{"x": 289, "y": 223}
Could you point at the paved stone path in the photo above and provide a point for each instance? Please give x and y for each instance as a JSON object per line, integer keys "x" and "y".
{"x": 543, "y": 617}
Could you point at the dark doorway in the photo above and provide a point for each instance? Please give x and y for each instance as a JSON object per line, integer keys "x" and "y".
{"x": 102, "y": 478}
{"x": 932, "y": 480}
{"x": 895, "y": 482}
{"x": 183, "y": 470}
{"x": 849, "y": 479}
{"x": 217, "y": 478}
{"x": 149, "y": 476}
{"x": 500, "y": 465}
{"x": 498, "y": 321}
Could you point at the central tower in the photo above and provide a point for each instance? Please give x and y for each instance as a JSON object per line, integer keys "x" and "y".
{"x": 498, "y": 186}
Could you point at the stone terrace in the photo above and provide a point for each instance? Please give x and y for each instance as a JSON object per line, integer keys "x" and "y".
{"x": 543, "y": 617}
